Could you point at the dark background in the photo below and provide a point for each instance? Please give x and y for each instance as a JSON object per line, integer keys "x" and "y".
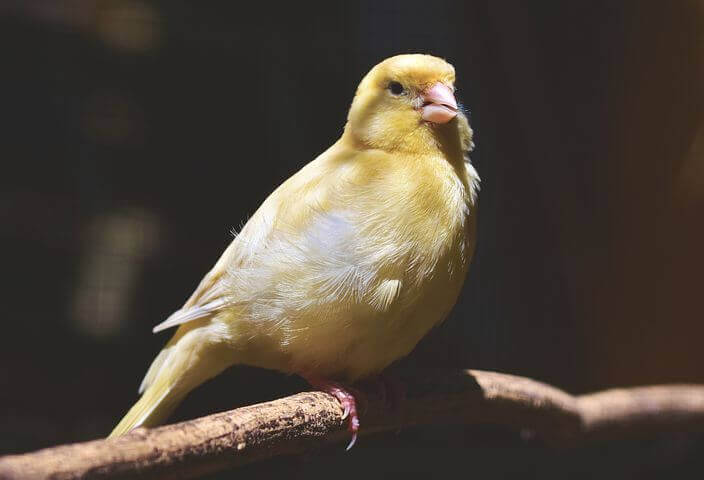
{"x": 135, "y": 135}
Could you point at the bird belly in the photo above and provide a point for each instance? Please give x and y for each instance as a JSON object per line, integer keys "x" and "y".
{"x": 362, "y": 340}
{"x": 348, "y": 337}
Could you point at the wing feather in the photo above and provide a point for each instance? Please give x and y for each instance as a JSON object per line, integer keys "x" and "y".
{"x": 187, "y": 314}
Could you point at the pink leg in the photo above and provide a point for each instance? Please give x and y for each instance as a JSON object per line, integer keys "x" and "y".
{"x": 347, "y": 401}
{"x": 394, "y": 391}
{"x": 390, "y": 390}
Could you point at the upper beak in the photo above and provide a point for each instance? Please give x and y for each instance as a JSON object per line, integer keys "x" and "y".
{"x": 439, "y": 104}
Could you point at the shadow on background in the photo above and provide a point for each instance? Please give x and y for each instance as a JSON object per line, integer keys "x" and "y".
{"x": 137, "y": 134}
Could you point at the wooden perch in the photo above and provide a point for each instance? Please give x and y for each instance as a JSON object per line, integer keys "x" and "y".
{"x": 304, "y": 421}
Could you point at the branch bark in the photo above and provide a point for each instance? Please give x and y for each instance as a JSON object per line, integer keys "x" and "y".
{"x": 307, "y": 420}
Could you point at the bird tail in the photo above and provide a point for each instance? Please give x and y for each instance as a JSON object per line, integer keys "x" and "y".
{"x": 187, "y": 361}
{"x": 155, "y": 406}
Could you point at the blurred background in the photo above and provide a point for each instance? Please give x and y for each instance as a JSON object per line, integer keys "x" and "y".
{"x": 138, "y": 134}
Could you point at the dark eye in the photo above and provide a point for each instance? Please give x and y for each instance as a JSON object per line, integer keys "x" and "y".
{"x": 396, "y": 88}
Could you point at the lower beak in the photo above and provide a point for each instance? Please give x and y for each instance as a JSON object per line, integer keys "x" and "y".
{"x": 439, "y": 105}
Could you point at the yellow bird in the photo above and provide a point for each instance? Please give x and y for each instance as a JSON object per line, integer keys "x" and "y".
{"x": 346, "y": 265}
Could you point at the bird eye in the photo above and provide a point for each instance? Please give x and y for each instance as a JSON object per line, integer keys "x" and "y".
{"x": 396, "y": 88}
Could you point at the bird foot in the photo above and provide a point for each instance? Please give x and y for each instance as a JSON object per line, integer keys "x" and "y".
{"x": 347, "y": 400}
{"x": 390, "y": 390}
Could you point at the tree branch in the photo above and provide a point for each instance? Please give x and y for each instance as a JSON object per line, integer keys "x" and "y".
{"x": 305, "y": 421}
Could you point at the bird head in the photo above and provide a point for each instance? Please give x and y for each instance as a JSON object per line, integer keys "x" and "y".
{"x": 407, "y": 103}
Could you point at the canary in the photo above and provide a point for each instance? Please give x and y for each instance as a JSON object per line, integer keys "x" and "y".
{"x": 346, "y": 265}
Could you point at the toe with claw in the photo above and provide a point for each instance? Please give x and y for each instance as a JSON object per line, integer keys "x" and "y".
{"x": 347, "y": 400}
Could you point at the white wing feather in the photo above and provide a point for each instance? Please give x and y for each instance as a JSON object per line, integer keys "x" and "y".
{"x": 187, "y": 314}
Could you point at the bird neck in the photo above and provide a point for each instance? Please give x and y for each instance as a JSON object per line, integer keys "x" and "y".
{"x": 452, "y": 140}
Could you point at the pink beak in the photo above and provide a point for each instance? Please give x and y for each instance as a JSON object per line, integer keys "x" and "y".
{"x": 439, "y": 105}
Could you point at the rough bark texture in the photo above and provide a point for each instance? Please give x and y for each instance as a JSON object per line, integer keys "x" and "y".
{"x": 306, "y": 420}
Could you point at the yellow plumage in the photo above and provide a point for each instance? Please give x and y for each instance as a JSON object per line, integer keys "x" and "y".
{"x": 350, "y": 262}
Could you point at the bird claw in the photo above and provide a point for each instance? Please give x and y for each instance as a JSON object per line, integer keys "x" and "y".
{"x": 352, "y": 442}
{"x": 348, "y": 402}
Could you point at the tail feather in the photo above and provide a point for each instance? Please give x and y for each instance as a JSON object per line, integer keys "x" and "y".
{"x": 154, "y": 369}
{"x": 191, "y": 357}
{"x": 157, "y": 403}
